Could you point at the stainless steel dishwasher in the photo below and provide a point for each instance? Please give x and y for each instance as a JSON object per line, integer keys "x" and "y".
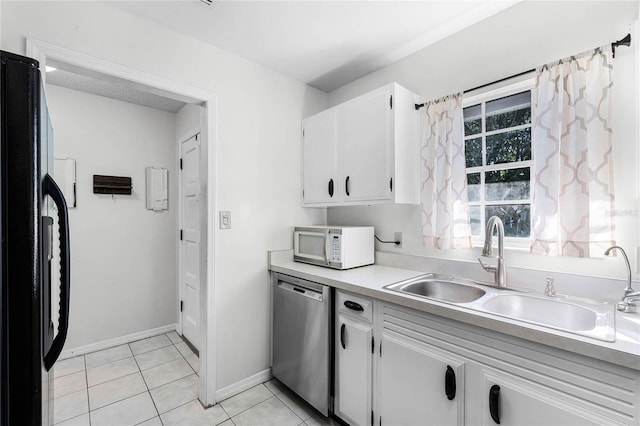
{"x": 302, "y": 339}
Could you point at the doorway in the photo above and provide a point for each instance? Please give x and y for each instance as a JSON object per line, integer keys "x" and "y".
{"x": 189, "y": 246}
{"x": 206, "y": 338}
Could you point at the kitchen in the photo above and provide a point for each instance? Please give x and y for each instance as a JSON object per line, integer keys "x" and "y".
{"x": 265, "y": 200}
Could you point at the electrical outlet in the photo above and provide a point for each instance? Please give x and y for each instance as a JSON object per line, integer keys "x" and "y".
{"x": 397, "y": 236}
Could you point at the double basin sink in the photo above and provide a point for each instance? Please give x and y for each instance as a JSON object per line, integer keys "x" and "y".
{"x": 569, "y": 314}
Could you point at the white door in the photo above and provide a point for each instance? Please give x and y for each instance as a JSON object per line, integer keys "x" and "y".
{"x": 353, "y": 371}
{"x": 319, "y": 159}
{"x": 413, "y": 384}
{"x": 190, "y": 240}
{"x": 364, "y": 138}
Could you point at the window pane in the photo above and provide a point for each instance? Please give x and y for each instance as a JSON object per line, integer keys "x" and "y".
{"x": 508, "y": 147}
{"x": 473, "y": 152}
{"x": 511, "y": 184}
{"x": 473, "y": 186}
{"x": 476, "y": 220}
{"x": 515, "y": 218}
{"x": 510, "y": 111}
{"x": 472, "y": 120}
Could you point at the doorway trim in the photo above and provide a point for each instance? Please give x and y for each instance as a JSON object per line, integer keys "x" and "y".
{"x": 42, "y": 51}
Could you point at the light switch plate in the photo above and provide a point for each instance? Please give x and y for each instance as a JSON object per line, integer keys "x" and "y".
{"x": 224, "y": 219}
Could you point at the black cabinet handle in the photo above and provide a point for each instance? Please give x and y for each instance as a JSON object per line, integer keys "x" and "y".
{"x": 353, "y": 306}
{"x": 330, "y": 187}
{"x": 494, "y": 403}
{"x": 450, "y": 383}
{"x": 342, "y": 330}
{"x": 391, "y": 184}
{"x": 346, "y": 186}
{"x": 50, "y": 188}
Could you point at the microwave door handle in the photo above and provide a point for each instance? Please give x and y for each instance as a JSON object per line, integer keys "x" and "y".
{"x": 327, "y": 246}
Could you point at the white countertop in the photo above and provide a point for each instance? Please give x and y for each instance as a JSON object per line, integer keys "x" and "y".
{"x": 370, "y": 280}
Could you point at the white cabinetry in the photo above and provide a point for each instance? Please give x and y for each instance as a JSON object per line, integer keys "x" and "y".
{"x": 419, "y": 385}
{"x": 354, "y": 359}
{"x": 374, "y": 139}
{"x": 506, "y": 399}
{"x": 498, "y": 379}
{"x": 320, "y": 171}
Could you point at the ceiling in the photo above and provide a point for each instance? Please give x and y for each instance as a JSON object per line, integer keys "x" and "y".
{"x": 325, "y": 44}
{"x": 83, "y": 80}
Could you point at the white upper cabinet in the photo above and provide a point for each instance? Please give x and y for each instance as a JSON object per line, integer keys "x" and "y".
{"x": 365, "y": 138}
{"x": 365, "y": 148}
{"x": 320, "y": 170}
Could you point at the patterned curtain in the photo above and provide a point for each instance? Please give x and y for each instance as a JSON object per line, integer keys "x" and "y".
{"x": 573, "y": 196}
{"x": 444, "y": 203}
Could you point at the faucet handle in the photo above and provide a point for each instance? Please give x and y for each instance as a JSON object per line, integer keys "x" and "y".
{"x": 550, "y": 290}
{"x": 486, "y": 267}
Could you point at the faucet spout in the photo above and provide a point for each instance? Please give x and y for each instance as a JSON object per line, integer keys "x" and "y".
{"x": 499, "y": 270}
{"x": 630, "y": 296}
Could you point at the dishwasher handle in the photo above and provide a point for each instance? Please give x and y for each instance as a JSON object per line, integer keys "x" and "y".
{"x": 301, "y": 290}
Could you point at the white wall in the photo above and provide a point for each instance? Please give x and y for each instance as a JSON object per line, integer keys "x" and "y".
{"x": 124, "y": 266}
{"x": 258, "y": 150}
{"x": 523, "y": 37}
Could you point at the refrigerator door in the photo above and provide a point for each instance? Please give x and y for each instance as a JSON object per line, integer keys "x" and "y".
{"x": 28, "y": 343}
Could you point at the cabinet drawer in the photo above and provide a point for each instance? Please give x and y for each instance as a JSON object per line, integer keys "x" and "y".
{"x": 355, "y": 306}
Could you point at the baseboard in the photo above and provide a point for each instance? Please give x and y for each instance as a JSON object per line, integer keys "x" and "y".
{"x": 105, "y": 344}
{"x": 243, "y": 385}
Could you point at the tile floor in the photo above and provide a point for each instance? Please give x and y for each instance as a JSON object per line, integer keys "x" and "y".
{"x": 153, "y": 382}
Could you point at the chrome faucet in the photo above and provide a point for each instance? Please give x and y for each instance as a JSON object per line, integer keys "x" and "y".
{"x": 499, "y": 270}
{"x": 630, "y": 296}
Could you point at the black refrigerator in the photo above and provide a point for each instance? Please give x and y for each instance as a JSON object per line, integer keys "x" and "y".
{"x": 35, "y": 291}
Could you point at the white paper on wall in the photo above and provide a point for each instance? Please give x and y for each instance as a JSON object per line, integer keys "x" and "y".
{"x": 157, "y": 188}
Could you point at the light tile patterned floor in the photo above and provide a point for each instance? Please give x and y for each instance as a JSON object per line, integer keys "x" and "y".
{"x": 153, "y": 382}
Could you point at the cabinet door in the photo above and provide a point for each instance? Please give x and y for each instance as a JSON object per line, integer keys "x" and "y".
{"x": 506, "y": 399}
{"x": 353, "y": 371}
{"x": 364, "y": 140}
{"x": 413, "y": 383}
{"x": 320, "y": 167}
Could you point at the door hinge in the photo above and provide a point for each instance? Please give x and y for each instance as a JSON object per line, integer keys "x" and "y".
{"x": 181, "y": 164}
{"x": 373, "y": 350}
{"x": 181, "y": 235}
{"x": 181, "y": 303}
{"x": 391, "y": 101}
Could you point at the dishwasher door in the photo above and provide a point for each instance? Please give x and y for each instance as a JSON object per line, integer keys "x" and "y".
{"x": 301, "y": 339}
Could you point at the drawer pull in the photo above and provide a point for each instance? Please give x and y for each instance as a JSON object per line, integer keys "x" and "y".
{"x": 494, "y": 403}
{"x": 450, "y": 383}
{"x": 353, "y": 306}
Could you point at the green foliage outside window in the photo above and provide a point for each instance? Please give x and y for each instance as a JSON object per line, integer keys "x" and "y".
{"x": 504, "y": 145}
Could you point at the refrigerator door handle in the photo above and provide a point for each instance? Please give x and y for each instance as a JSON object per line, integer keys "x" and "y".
{"x": 49, "y": 187}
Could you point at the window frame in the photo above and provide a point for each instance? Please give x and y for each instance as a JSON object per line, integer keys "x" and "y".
{"x": 514, "y": 243}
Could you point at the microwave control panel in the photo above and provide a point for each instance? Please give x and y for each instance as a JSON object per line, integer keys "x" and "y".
{"x": 334, "y": 253}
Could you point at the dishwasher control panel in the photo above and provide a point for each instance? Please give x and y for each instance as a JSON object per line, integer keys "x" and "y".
{"x": 302, "y": 291}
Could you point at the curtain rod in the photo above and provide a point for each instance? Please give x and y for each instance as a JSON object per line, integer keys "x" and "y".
{"x": 626, "y": 41}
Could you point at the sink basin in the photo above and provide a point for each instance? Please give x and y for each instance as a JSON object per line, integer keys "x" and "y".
{"x": 542, "y": 311}
{"x": 439, "y": 289}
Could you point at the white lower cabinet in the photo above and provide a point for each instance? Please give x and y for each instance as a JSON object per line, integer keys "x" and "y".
{"x": 419, "y": 385}
{"x": 505, "y": 399}
{"x": 428, "y": 370}
{"x": 353, "y": 360}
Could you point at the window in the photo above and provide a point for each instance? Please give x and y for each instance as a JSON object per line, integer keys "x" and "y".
{"x": 497, "y": 134}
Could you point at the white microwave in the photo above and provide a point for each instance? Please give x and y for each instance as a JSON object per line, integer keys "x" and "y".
{"x": 338, "y": 247}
